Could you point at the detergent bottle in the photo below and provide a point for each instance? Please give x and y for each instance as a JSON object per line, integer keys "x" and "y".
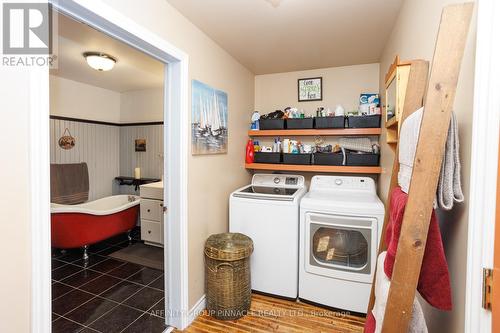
{"x": 249, "y": 157}
{"x": 255, "y": 120}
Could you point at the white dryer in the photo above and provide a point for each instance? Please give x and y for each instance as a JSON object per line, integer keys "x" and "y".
{"x": 340, "y": 223}
{"x": 267, "y": 211}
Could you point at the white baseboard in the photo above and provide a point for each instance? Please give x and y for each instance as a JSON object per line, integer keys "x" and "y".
{"x": 197, "y": 309}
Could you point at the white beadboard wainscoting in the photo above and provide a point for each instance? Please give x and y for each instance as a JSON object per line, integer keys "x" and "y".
{"x": 150, "y": 161}
{"x": 109, "y": 151}
{"x": 96, "y": 144}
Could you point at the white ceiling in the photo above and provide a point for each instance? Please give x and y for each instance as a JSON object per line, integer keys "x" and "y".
{"x": 134, "y": 70}
{"x": 269, "y": 36}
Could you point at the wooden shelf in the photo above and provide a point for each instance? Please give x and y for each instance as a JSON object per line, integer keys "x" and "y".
{"x": 315, "y": 132}
{"x": 391, "y": 122}
{"x": 314, "y": 168}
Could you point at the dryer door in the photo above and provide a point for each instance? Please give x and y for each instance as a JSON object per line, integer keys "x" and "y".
{"x": 340, "y": 246}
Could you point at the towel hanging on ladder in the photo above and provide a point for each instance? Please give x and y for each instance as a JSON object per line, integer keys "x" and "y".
{"x": 449, "y": 188}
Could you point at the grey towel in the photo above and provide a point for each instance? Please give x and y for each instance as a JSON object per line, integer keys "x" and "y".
{"x": 450, "y": 186}
{"x": 69, "y": 183}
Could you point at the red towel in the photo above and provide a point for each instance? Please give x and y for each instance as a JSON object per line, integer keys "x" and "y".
{"x": 434, "y": 280}
{"x": 370, "y": 323}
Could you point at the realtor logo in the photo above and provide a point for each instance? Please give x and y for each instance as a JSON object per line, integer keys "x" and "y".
{"x": 27, "y": 28}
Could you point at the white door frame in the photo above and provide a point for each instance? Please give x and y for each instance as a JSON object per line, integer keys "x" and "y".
{"x": 485, "y": 131}
{"x": 113, "y": 23}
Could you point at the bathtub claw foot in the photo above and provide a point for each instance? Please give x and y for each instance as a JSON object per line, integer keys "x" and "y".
{"x": 129, "y": 236}
{"x": 85, "y": 256}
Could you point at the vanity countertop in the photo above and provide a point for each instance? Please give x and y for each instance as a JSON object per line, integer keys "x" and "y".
{"x": 153, "y": 185}
{"x": 152, "y": 190}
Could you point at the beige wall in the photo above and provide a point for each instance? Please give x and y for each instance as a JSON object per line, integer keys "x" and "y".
{"x": 15, "y": 247}
{"x": 341, "y": 85}
{"x": 74, "y": 99}
{"x": 414, "y": 36}
{"x": 141, "y": 105}
{"x": 211, "y": 178}
{"x": 69, "y": 98}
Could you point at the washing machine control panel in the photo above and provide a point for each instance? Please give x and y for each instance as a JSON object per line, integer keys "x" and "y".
{"x": 342, "y": 183}
{"x": 278, "y": 180}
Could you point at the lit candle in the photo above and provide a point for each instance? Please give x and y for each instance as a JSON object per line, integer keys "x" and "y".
{"x": 137, "y": 173}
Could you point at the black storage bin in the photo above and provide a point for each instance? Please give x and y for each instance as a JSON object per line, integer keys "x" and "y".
{"x": 269, "y": 124}
{"x": 299, "y": 123}
{"x": 329, "y": 122}
{"x": 365, "y": 159}
{"x": 273, "y": 158}
{"x": 297, "y": 158}
{"x": 328, "y": 158}
{"x": 372, "y": 121}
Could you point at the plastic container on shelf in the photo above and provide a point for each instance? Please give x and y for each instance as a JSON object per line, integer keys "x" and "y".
{"x": 264, "y": 157}
{"x": 270, "y": 124}
{"x": 328, "y": 159}
{"x": 371, "y": 121}
{"x": 329, "y": 122}
{"x": 299, "y": 123}
{"x": 302, "y": 159}
{"x": 364, "y": 159}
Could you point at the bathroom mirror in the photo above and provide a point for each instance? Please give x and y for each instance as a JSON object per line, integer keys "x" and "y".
{"x": 396, "y": 81}
{"x": 390, "y": 99}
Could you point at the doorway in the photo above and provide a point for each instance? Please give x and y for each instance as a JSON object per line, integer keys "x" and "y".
{"x": 112, "y": 23}
{"x": 484, "y": 169}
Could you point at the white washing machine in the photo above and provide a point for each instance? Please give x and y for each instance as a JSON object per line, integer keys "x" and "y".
{"x": 340, "y": 224}
{"x": 268, "y": 212}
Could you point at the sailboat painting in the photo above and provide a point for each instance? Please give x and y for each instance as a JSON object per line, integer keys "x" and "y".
{"x": 208, "y": 120}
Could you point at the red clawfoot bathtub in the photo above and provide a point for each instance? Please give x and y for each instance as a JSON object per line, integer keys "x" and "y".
{"x": 85, "y": 224}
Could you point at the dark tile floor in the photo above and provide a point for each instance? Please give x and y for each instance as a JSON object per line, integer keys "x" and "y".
{"x": 108, "y": 295}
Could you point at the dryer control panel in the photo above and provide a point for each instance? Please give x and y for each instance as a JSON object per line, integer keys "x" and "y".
{"x": 340, "y": 183}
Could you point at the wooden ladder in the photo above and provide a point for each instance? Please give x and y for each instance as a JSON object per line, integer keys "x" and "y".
{"x": 438, "y": 96}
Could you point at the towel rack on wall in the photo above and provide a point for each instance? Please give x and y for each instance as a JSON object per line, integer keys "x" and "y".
{"x": 438, "y": 96}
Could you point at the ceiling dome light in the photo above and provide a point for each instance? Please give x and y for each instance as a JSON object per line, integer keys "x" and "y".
{"x": 100, "y": 61}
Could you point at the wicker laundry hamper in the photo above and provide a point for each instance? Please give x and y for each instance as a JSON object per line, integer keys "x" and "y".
{"x": 227, "y": 275}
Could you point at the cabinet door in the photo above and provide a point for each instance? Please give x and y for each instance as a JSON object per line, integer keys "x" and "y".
{"x": 151, "y": 231}
{"x": 151, "y": 209}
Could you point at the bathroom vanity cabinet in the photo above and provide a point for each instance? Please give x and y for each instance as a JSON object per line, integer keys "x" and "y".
{"x": 151, "y": 212}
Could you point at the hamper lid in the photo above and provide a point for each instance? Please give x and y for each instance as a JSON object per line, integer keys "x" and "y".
{"x": 228, "y": 246}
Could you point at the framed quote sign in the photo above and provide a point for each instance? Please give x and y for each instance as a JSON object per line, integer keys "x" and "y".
{"x": 310, "y": 89}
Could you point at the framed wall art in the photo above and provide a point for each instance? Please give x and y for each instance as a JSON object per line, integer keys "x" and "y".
{"x": 140, "y": 145}
{"x": 310, "y": 89}
{"x": 209, "y": 129}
